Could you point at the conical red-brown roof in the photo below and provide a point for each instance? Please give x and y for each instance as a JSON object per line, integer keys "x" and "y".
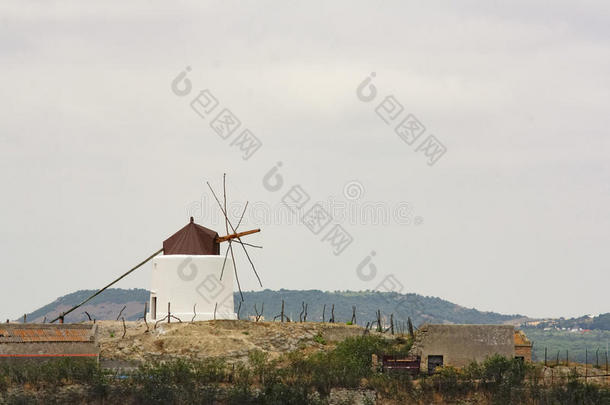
{"x": 193, "y": 239}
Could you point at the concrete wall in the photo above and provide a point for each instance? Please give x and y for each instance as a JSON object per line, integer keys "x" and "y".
{"x": 461, "y": 344}
{"x": 186, "y": 280}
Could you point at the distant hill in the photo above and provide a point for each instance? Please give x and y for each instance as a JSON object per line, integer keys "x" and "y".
{"x": 420, "y": 308}
{"x": 105, "y": 306}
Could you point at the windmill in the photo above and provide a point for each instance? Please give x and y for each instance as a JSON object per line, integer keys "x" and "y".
{"x": 190, "y": 275}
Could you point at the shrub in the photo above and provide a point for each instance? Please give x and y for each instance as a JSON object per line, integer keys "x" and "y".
{"x": 319, "y": 339}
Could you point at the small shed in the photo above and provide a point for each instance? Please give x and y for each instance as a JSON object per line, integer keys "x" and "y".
{"x": 44, "y": 341}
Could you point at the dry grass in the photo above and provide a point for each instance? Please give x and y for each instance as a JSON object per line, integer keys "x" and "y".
{"x": 229, "y": 339}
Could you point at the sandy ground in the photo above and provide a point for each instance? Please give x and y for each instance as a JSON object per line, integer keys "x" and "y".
{"x": 229, "y": 339}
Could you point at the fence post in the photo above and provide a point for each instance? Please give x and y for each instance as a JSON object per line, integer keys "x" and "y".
{"x": 557, "y": 363}
{"x": 586, "y": 361}
{"x": 597, "y": 358}
{"x": 545, "y": 357}
{"x": 606, "y": 365}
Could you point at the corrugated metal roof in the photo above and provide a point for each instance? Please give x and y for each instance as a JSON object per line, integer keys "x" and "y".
{"x": 67, "y": 333}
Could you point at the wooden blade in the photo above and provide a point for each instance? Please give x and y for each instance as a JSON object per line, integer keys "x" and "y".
{"x": 224, "y": 263}
{"x": 242, "y": 216}
{"x": 238, "y": 238}
{"x": 236, "y": 235}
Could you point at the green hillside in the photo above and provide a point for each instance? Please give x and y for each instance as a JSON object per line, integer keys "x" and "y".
{"x": 420, "y": 308}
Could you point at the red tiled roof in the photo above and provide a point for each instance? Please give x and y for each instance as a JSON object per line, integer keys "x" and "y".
{"x": 67, "y": 333}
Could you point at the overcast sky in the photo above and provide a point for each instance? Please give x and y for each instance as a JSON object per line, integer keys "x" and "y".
{"x": 101, "y": 160}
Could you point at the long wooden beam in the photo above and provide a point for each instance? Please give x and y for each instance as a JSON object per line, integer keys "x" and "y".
{"x": 236, "y": 235}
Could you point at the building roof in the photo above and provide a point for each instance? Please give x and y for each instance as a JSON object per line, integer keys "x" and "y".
{"x": 27, "y": 333}
{"x": 521, "y": 339}
{"x": 193, "y": 239}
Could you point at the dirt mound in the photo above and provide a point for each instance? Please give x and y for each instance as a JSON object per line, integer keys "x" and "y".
{"x": 228, "y": 339}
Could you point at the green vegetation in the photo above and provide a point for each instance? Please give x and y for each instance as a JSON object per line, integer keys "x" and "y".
{"x": 318, "y": 338}
{"x": 574, "y": 342}
{"x": 295, "y": 378}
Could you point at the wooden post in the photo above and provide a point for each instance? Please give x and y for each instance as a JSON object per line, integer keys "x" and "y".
{"x": 169, "y": 314}
{"x": 124, "y": 328}
{"x": 323, "y": 314}
{"x": 282, "y": 313}
{"x": 258, "y": 316}
{"x": 557, "y": 363}
{"x": 25, "y": 317}
{"x": 353, "y": 314}
{"x": 392, "y": 324}
{"x": 606, "y": 365}
{"x": 545, "y": 357}
{"x": 410, "y": 326}
{"x": 586, "y": 361}
{"x": 122, "y": 309}
{"x": 332, "y": 314}
{"x": 597, "y": 358}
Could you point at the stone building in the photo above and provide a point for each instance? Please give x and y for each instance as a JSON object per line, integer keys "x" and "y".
{"x": 459, "y": 345}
